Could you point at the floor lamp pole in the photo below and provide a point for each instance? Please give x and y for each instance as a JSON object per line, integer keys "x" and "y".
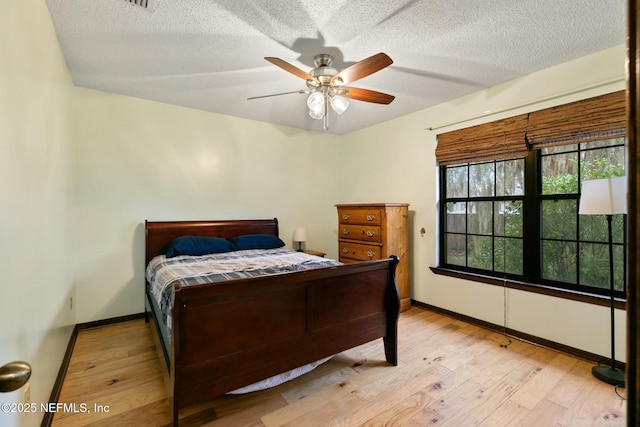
{"x": 610, "y": 374}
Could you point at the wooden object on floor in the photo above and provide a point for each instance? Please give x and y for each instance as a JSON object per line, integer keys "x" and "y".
{"x": 450, "y": 373}
{"x": 376, "y": 231}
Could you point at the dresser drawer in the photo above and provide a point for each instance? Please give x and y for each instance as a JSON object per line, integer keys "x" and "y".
{"x": 366, "y": 233}
{"x": 360, "y": 216}
{"x": 359, "y": 252}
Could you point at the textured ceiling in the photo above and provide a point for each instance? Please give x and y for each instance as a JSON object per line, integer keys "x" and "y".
{"x": 209, "y": 54}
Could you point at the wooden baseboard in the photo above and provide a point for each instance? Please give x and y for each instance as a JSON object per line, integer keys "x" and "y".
{"x": 111, "y": 321}
{"x": 572, "y": 351}
{"x": 57, "y": 386}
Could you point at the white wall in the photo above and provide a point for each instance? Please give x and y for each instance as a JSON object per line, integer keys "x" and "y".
{"x": 140, "y": 160}
{"x": 35, "y": 164}
{"x": 400, "y": 166}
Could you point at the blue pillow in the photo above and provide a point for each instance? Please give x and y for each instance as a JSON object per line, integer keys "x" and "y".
{"x": 257, "y": 241}
{"x": 197, "y": 245}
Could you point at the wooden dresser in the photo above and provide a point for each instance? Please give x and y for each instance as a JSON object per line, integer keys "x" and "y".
{"x": 375, "y": 231}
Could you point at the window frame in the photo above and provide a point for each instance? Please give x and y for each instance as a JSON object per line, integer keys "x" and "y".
{"x": 443, "y": 232}
{"x": 531, "y": 278}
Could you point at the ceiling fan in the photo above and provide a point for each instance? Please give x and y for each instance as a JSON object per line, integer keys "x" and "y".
{"x": 326, "y": 85}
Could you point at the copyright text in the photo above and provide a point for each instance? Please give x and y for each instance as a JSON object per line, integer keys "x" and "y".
{"x": 53, "y": 407}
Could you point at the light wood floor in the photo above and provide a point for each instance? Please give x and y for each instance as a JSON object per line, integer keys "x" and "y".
{"x": 450, "y": 374}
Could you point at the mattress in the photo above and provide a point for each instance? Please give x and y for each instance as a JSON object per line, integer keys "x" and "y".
{"x": 163, "y": 273}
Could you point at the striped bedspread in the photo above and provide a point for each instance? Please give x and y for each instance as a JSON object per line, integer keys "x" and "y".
{"x": 163, "y": 272}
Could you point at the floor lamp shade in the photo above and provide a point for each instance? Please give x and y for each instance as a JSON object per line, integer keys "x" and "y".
{"x": 606, "y": 197}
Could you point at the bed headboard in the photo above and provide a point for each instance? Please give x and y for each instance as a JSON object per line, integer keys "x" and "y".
{"x": 159, "y": 233}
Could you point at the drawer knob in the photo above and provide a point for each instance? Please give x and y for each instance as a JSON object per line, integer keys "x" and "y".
{"x": 371, "y": 217}
{"x": 370, "y": 254}
{"x": 370, "y": 233}
{"x": 345, "y": 231}
{"x": 346, "y": 217}
{"x": 345, "y": 250}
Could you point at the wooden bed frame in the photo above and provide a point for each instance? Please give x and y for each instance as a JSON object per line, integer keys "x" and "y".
{"x": 231, "y": 334}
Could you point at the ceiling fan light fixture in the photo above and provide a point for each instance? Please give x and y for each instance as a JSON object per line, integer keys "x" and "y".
{"x": 325, "y": 84}
{"x": 339, "y": 104}
{"x": 313, "y": 84}
{"x": 316, "y": 113}
{"x": 315, "y": 102}
{"x": 337, "y": 81}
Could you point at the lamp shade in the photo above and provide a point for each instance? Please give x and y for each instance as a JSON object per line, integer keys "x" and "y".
{"x": 299, "y": 235}
{"x": 604, "y": 196}
{"x": 315, "y": 102}
{"x": 339, "y": 104}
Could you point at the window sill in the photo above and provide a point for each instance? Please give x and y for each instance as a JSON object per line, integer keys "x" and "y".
{"x": 531, "y": 287}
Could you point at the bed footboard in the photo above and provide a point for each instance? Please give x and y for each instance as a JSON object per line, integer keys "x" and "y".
{"x": 263, "y": 326}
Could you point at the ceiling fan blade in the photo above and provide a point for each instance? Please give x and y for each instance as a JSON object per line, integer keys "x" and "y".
{"x": 288, "y": 67}
{"x": 364, "y": 95}
{"x": 278, "y": 94}
{"x": 363, "y": 68}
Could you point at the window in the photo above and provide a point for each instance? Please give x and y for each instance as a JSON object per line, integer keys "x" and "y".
{"x": 515, "y": 215}
{"x": 574, "y": 248}
{"x": 483, "y": 226}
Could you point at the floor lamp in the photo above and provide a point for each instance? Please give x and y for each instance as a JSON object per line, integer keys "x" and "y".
{"x": 606, "y": 197}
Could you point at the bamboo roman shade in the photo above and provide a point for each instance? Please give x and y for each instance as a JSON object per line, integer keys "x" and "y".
{"x": 581, "y": 121}
{"x": 489, "y": 141}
